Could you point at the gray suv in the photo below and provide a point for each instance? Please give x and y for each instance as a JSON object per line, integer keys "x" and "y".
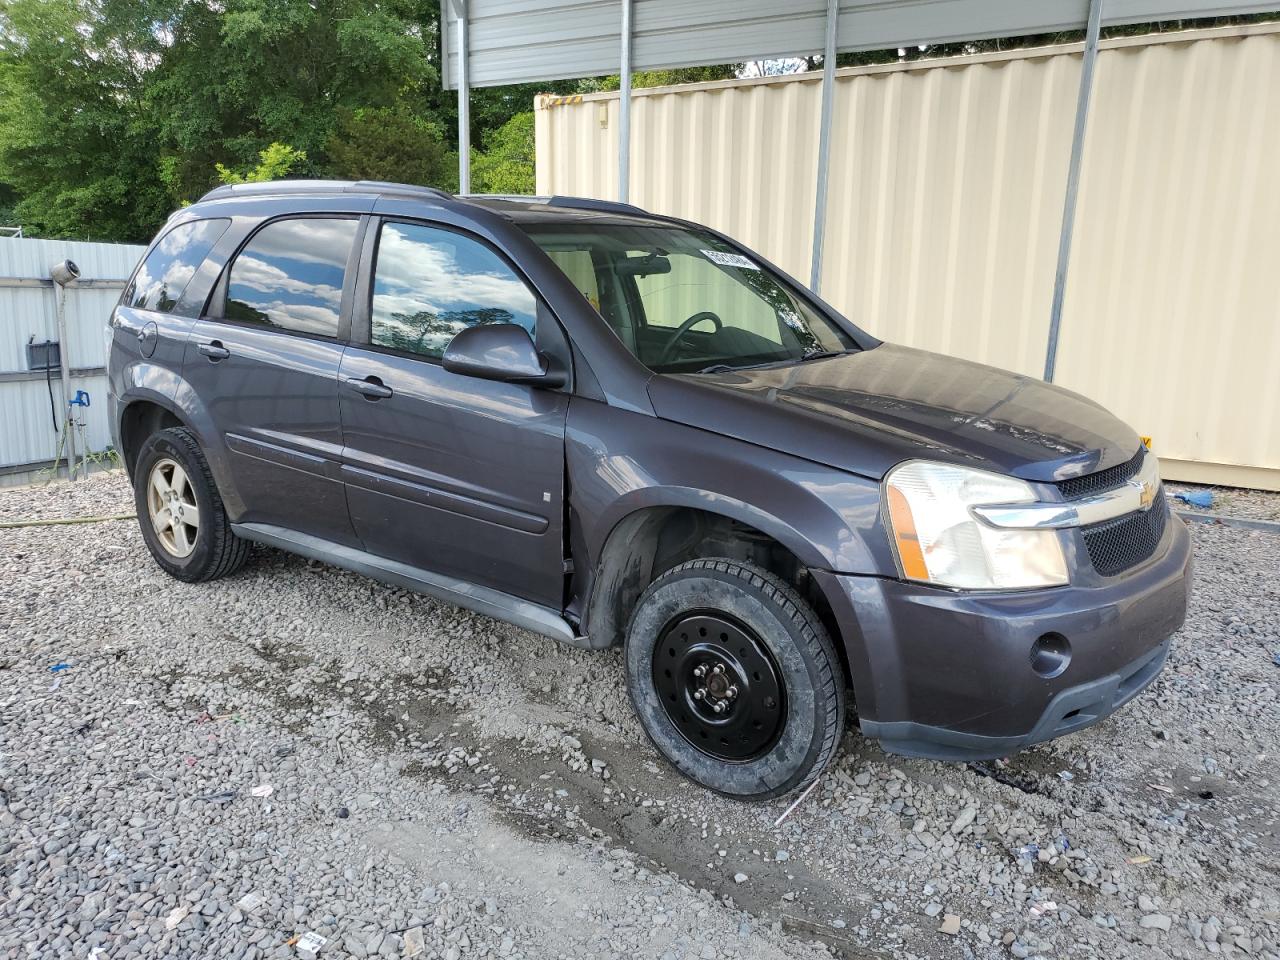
{"x": 621, "y": 429}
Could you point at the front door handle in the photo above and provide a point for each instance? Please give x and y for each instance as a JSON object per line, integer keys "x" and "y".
{"x": 214, "y": 350}
{"x": 371, "y": 387}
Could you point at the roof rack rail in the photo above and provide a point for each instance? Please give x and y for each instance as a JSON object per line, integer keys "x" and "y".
{"x": 387, "y": 186}
{"x": 278, "y": 187}
{"x": 579, "y": 203}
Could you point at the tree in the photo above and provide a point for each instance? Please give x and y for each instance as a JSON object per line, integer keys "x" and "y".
{"x": 507, "y": 163}
{"x": 246, "y": 73}
{"x": 273, "y": 163}
{"x": 391, "y": 143}
{"x": 76, "y": 141}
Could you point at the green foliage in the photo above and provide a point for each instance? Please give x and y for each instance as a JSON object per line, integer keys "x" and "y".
{"x": 75, "y": 141}
{"x": 507, "y": 163}
{"x": 273, "y": 163}
{"x": 662, "y": 78}
{"x": 259, "y": 72}
{"x": 113, "y": 112}
{"x": 8, "y": 198}
{"x": 394, "y": 144}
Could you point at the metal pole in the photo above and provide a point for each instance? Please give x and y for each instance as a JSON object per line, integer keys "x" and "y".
{"x": 1073, "y": 184}
{"x": 64, "y": 364}
{"x": 824, "y": 142}
{"x": 464, "y": 102}
{"x": 624, "y": 108}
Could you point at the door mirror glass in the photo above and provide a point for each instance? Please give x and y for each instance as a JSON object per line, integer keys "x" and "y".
{"x": 498, "y": 351}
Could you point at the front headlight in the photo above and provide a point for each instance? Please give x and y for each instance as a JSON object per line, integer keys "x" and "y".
{"x": 940, "y": 541}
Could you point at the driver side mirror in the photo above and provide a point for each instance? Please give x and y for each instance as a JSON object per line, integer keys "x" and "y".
{"x": 500, "y": 351}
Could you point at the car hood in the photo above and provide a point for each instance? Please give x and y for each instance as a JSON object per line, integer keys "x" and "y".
{"x": 866, "y": 411}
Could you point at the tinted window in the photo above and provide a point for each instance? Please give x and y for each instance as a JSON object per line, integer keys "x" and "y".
{"x": 169, "y": 267}
{"x": 290, "y": 275}
{"x": 430, "y": 283}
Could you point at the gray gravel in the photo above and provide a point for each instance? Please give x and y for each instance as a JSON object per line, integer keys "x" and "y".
{"x": 1231, "y": 502}
{"x": 442, "y": 782}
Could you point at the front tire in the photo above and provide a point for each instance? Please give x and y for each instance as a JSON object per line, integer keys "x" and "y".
{"x": 182, "y": 518}
{"x": 734, "y": 679}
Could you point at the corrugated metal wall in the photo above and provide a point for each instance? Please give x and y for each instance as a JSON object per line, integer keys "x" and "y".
{"x": 946, "y": 192}
{"x": 29, "y": 308}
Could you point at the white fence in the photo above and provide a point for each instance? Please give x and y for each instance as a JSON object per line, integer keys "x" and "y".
{"x": 29, "y": 312}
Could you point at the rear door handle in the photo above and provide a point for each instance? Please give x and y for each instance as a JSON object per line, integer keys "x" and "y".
{"x": 215, "y": 351}
{"x": 371, "y": 387}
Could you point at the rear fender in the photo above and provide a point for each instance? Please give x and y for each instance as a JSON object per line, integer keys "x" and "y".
{"x": 150, "y": 383}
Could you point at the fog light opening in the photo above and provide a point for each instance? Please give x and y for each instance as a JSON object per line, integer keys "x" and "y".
{"x": 1050, "y": 655}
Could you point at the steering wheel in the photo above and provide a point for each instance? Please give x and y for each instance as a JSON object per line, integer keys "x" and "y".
{"x": 670, "y": 346}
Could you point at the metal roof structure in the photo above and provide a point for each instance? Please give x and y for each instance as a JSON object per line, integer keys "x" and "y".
{"x": 522, "y": 41}
{"x": 494, "y": 42}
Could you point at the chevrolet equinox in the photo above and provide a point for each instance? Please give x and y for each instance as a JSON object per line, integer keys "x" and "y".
{"x": 621, "y": 429}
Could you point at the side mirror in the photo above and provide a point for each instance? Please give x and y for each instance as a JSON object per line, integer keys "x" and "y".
{"x": 499, "y": 351}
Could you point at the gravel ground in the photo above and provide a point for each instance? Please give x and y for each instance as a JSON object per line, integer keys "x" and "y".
{"x": 222, "y": 768}
{"x": 1231, "y": 502}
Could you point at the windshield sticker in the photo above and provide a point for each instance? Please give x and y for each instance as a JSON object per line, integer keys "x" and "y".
{"x": 729, "y": 259}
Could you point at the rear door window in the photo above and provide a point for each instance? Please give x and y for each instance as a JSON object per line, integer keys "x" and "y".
{"x": 290, "y": 275}
{"x": 172, "y": 262}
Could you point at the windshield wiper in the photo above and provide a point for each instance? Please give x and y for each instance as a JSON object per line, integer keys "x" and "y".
{"x": 726, "y": 367}
{"x": 822, "y": 355}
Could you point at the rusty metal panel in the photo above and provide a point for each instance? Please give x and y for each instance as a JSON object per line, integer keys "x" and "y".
{"x": 945, "y": 202}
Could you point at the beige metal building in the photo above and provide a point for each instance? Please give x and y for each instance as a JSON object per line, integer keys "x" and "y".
{"x": 945, "y": 204}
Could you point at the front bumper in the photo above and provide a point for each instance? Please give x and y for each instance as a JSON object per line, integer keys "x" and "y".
{"x": 948, "y": 675}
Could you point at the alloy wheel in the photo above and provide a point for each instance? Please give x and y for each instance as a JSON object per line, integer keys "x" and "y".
{"x": 171, "y": 507}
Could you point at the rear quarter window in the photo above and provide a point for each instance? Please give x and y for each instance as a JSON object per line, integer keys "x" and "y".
{"x": 160, "y": 281}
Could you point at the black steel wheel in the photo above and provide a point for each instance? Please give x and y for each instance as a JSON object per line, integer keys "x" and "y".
{"x": 720, "y": 686}
{"x": 734, "y": 678}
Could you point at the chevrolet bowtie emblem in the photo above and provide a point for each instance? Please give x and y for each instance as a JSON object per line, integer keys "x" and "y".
{"x": 1146, "y": 495}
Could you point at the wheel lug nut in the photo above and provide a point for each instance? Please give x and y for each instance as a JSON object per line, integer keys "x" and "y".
{"x": 718, "y": 708}
{"x": 700, "y": 670}
{"x": 718, "y": 668}
{"x": 731, "y": 693}
{"x": 699, "y": 694}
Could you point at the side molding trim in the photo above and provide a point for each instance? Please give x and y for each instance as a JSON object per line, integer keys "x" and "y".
{"x": 492, "y": 603}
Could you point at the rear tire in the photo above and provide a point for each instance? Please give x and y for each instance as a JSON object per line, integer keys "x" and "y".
{"x": 734, "y": 679}
{"x": 180, "y": 513}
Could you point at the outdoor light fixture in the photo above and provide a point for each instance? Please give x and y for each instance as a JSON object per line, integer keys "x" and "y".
{"x": 64, "y": 272}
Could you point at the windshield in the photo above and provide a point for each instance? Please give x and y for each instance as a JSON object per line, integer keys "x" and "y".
{"x": 684, "y": 301}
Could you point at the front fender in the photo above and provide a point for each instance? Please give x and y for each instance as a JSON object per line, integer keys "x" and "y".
{"x": 622, "y": 465}
{"x": 620, "y": 462}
